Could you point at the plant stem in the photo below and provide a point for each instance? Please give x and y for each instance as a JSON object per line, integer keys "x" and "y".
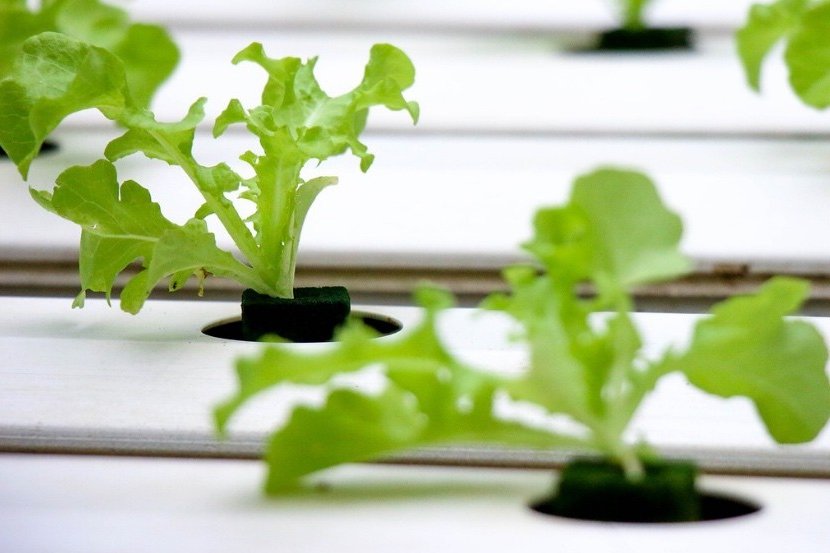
{"x": 276, "y": 213}
{"x": 228, "y": 216}
{"x": 641, "y": 386}
{"x": 611, "y": 443}
{"x": 632, "y": 466}
{"x": 633, "y": 14}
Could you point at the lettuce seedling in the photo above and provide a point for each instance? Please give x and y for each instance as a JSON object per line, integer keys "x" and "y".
{"x": 633, "y": 34}
{"x": 430, "y": 397}
{"x": 803, "y": 25}
{"x": 147, "y": 52}
{"x": 632, "y": 13}
{"x": 296, "y": 123}
{"x": 585, "y": 359}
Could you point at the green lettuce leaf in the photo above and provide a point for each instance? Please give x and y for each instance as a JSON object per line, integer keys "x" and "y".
{"x": 766, "y": 25}
{"x": 556, "y": 377}
{"x": 429, "y": 398}
{"x": 173, "y": 144}
{"x": 294, "y": 105}
{"x": 55, "y": 76}
{"x": 592, "y": 370}
{"x": 121, "y": 224}
{"x": 179, "y": 253}
{"x": 17, "y": 24}
{"x": 805, "y": 27}
{"x": 69, "y": 56}
{"x": 588, "y": 371}
{"x": 614, "y": 231}
{"x": 296, "y": 123}
{"x": 350, "y": 427}
{"x": 147, "y": 51}
{"x": 169, "y": 142}
{"x": 808, "y": 57}
{"x": 748, "y": 349}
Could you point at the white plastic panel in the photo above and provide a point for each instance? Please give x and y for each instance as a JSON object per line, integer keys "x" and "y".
{"x": 466, "y": 202}
{"x": 508, "y": 83}
{"x": 91, "y": 505}
{"x": 433, "y": 13}
{"x": 102, "y": 380}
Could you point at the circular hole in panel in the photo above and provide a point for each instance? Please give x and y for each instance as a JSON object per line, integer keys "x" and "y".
{"x": 713, "y": 507}
{"x": 231, "y": 329}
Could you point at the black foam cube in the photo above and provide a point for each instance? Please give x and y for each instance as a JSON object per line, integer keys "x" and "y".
{"x": 312, "y": 315}
{"x": 598, "y": 490}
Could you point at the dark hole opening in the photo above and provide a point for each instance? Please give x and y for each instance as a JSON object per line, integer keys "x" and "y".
{"x": 232, "y": 329}
{"x": 712, "y": 507}
{"x": 45, "y": 148}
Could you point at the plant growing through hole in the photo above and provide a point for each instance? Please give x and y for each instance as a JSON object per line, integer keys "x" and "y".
{"x": 297, "y": 122}
{"x": 632, "y": 13}
{"x": 585, "y": 361}
{"x": 634, "y": 34}
{"x": 803, "y": 26}
{"x": 147, "y": 52}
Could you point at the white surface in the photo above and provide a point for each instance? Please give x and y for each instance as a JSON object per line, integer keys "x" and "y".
{"x": 467, "y": 202}
{"x": 506, "y": 83}
{"x": 432, "y": 13}
{"x": 101, "y": 369}
{"x": 514, "y": 83}
{"x": 101, "y": 372}
{"x": 90, "y": 505}
{"x": 463, "y": 199}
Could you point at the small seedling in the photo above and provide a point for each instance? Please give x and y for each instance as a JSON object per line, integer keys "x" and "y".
{"x": 297, "y": 123}
{"x": 633, "y": 33}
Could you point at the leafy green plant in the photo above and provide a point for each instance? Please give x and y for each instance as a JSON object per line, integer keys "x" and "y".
{"x": 805, "y": 27}
{"x": 296, "y": 123}
{"x": 147, "y": 52}
{"x": 585, "y": 360}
